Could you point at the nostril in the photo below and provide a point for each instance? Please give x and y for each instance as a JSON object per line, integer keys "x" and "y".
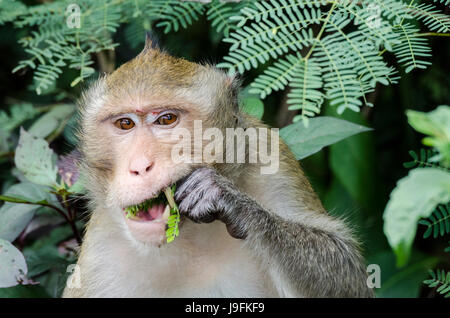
{"x": 141, "y": 171}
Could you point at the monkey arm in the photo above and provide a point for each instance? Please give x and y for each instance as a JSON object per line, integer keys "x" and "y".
{"x": 314, "y": 261}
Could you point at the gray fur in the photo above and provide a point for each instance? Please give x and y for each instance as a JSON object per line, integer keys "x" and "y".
{"x": 320, "y": 263}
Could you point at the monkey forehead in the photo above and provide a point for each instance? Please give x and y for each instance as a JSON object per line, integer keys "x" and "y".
{"x": 150, "y": 68}
{"x": 154, "y": 77}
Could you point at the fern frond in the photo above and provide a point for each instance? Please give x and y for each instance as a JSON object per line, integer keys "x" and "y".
{"x": 413, "y": 49}
{"x": 368, "y": 64}
{"x": 272, "y": 8}
{"x": 424, "y": 159}
{"x": 135, "y": 31}
{"x": 379, "y": 32}
{"x": 174, "y": 14}
{"x": 441, "y": 280}
{"x": 393, "y": 10}
{"x": 445, "y": 2}
{"x": 438, "y": 223}
{"x": 259, "y": 53}
{"x": 220, "y": 13}
{"x": 10, "y": 10}
{"x": 276, "y": 77}
{"x": 341, "y": 82}
{"x": 256, "y": 44}
{"x": 305, "y": 93}
{"x": 432, "y": 18}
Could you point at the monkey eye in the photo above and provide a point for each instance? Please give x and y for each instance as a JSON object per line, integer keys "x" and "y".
{"x": 166, "y": 119}
{"x": 124, "y": 123}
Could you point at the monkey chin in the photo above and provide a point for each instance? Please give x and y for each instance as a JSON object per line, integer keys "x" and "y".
{"x": 149, "y": 227}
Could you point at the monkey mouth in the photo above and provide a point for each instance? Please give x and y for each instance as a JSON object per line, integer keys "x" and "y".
{"x": 148, "y": 210}
{"x": 155, "y": 218}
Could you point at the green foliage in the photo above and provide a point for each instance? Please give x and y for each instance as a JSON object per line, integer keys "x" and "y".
{"x": 321, "y": 132}
{"x": 251, "y": 104}
{"x": 406, "y": 281}
{"x": 349, "y": 62}
{"x": 436, "y": 125}
{"x": 423, "y": 159}
{"x": 60, "y": 42}
{"x": 438, "y": 223}
{"x": 174, "y": 216}
{"x": 13, "y": 265}
{"x": 21, "y": 202}
{"x": 415, "y": 196}
{"x": 36, "y": 160}
{"x": 441, "y": 280}
{"x": 18, "y": 114}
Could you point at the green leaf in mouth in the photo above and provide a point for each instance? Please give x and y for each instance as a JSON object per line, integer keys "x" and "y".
{"x": 165, "y": 197}
{"x": 174, "y": 217}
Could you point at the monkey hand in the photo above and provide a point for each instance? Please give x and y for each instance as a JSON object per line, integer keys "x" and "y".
{"x": 205, "y": 196}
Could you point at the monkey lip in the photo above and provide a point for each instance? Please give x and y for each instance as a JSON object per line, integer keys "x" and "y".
{"x": 151, "y": 214}
{"x": 149, "y": 226}
{"x": 147, "y": 210}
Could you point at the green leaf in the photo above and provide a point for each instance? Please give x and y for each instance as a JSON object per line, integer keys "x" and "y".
{"x": 352, "y": 162}
{"x": 13, "y": 267}
{"x": 414, "y": 197}
{"x": 52, "y": 120}
{"x": 35, "y": 159}
{"x": 405, "y": 282}
{"x": 23, "y": 291}
{"x": 321, "y": 132}
{"x": 18, "y": 114}
{"x": 436, "y": 124}
{"x": 253, "y": 106}
{"x": 14, "y": 217}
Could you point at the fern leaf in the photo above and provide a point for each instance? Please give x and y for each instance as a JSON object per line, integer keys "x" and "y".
{"x": 220, "y": 14}
{"x": 276, "y": 77}
{"x": 305, "y": 93}
{"x": 432, "y": 18}
{"x": 175, "y": 14}
{"x": 424, "y": 159}
{"x": 10, "y": 10}
{"x": 438, "y": 224}
{"x": 439, "y": 280}
{"x": 413, "y": 49}
{"x": 340, "y": 79}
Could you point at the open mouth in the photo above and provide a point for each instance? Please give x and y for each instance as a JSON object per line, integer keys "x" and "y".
{"x": 149, "y": 210}
{"x": 155, "y": 215}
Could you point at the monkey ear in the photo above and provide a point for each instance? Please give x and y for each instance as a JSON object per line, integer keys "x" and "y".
{"x": 151, "y": 42}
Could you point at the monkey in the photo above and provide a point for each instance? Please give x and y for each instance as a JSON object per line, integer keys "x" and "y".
{"x": 242, "y": 233}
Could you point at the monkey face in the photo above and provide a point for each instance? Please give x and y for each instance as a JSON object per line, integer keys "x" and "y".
{"x": 141, "y": 144}
{"x": 129, "y": 120}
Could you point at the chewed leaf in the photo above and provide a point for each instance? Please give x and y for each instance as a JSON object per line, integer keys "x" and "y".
{"x": 174, "y": 217}
{"x": 35, "y": 159}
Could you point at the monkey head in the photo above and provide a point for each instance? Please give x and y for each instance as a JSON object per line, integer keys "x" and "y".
{"x": 128, "y": 120}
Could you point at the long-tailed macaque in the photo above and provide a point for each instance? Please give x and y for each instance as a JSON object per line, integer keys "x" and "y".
{"x": 242, "y": 234}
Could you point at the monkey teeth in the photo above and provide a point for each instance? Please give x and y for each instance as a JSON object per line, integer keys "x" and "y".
{"x": 153, "y": 208}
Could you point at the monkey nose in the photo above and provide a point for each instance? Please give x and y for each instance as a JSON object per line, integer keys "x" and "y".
{"x": 140, "y": 166}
